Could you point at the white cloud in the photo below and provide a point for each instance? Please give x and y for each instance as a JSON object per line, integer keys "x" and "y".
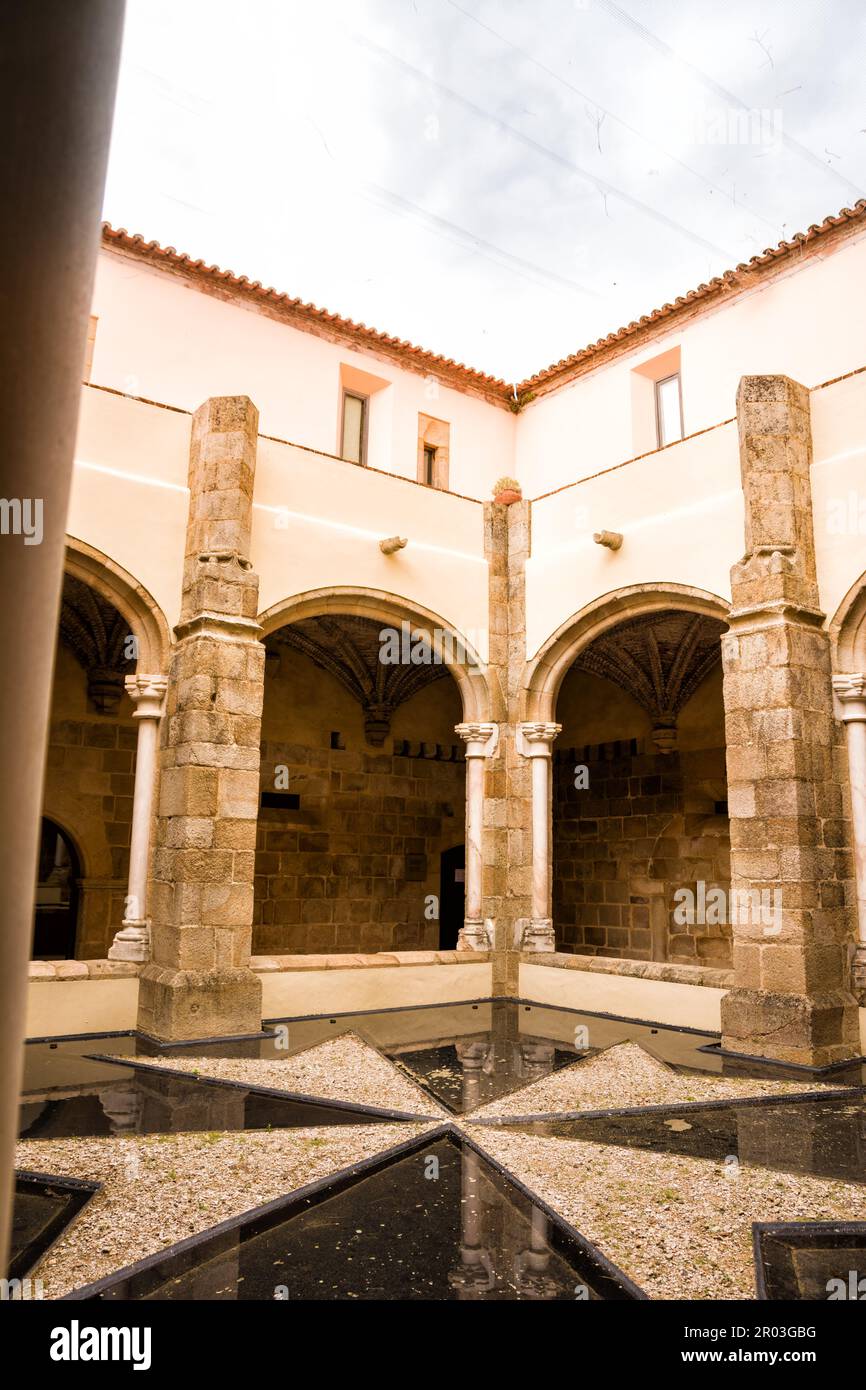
{"x": 498, "y": 181}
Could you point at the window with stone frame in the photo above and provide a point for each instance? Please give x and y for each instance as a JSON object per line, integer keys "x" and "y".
{"x": 433, "y": 451}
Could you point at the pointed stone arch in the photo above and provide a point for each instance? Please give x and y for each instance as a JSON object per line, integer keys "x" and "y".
{"x": 457, "y": 654}
{"x": 146, "y": 619}
{"x": 545, "y": 673}
{"x": 848, "y": 630}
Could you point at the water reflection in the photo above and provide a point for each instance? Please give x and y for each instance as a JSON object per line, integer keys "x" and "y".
{"x": 468, "y": 1072}
{"x": 821, "y": 1137}
{"x": 438, "y": 1223}
{"x": 146, "y": 1101}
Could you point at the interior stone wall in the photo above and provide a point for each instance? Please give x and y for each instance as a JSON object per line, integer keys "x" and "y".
{"x": 342, "y": 873}
{"x": 646, "y": 825}
{"x": 89, "y": 781}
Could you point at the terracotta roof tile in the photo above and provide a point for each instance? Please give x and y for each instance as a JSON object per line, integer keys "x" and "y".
{"x": 744, "y": 276}
{"x": 310, "y": 318}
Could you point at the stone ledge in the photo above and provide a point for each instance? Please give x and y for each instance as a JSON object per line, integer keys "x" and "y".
{"x": 667, "y": 971}
{"x": 261, "y": 965}
{"x": 83, "y": 969}
{"x": 380, "y": 961}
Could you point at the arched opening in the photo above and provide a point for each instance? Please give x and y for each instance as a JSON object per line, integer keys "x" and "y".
{"x": 108, "y": 629}
{"x": 640, "y": 831}
{"x": 55, "y": 923}
{"x": 362, "y": 776}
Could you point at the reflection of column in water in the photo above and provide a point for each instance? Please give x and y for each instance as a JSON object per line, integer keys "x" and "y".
{"x": 536, "y": 1059}
{"x": 60, "y": 869}
{"x": 476, "y": 1275}
{"x": 122, "y": 1105}
{"x": 531, "y": 1265}
{"x": 472, "y": 1057}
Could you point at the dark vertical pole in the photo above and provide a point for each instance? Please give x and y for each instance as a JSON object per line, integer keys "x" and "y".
{"x": 58, "y": 73}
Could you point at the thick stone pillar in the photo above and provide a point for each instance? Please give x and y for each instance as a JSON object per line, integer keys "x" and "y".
{"x": 851, "y": 693}
{"x": 535, "y": 741}
{"x": 132, "y": 942}
{"x": 481, "y": 741}
{"x": 789, "y": 870}
{"x": 198, "y": 982}
{"x": 507, "y": 791}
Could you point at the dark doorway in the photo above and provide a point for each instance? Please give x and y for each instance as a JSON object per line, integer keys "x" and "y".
{"x": 452, "y": 875}
{"x": 56, "y": 916}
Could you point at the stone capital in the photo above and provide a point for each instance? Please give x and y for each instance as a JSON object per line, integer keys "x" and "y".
{"x": 535, "y": 740}
{"x": 850, "y": 691}
{"x": 481, "y": 739}
{"x": 147, "y": 694}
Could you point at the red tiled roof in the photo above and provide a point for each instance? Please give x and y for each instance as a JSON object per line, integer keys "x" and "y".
{"x": 818, "y": 239}
{"x": 308, "y": 317}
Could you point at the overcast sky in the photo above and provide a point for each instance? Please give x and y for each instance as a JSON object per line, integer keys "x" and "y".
{"x": 502, "y": 181}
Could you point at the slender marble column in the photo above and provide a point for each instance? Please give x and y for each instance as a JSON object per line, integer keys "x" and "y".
{"x": 535, "y": 741}
{"x": 132, "y": 942}
{"x": 851, "y": 693}
{"x": 481, "y": 741}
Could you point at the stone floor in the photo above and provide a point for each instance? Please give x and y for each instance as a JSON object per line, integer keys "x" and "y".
{"x": 475, "y": 1151}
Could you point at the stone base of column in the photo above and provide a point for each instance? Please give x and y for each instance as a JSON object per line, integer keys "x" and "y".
{"x": 858, "y": 975}
{"x": 178, "y": 1004}
{"x": 132, "y": 942}
{"x": 811, "y": 1030}
{"x": 474, "y": 936}
{"x": 539, "y": 935}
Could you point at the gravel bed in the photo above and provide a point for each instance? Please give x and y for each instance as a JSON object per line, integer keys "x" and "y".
{"x": 625, "y": 1077}
{"x": 343, "y": 1068}
{"x": 679, "y": 1227}
{"x": 159, "y": 1189}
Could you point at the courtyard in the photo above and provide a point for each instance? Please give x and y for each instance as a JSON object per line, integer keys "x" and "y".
{"x": 433, "y": 828}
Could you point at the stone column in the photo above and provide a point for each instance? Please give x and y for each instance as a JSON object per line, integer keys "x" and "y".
{"x": 792, "y": 929}
{"x": 535, "y": 741}
{"x": 198, "y": 982}
{"x": 132, "y": 942}
{"x": 851, "y": 693}
{"x": 59, "y": 69}
{"x": 481, "y": 741}
{"x": 507, "y": 791}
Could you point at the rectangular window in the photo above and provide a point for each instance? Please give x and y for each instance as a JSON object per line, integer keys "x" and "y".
{"x": 353, "y": 437}
{"x": 669, "y": 410}
{"x": 434, "y": 442}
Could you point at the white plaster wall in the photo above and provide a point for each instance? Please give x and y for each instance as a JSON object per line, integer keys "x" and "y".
{"x": 58, "y": 1007}
{"x": 681, "y": 515}
{"x": 295, "y": 993}
{"x": 808, "y": 323}
{"x": 163, "y": 340}
{"x": 839, "y": 487}
{"x": 317, "y": 522}
{"x": 656, "y": 1001}
{"x": 129, "y": 496}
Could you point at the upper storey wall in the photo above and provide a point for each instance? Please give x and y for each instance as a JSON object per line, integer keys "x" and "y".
{"x": 808, "y": 323}
{"x": 159, "y": 338}
{"x": 317, "y": 521}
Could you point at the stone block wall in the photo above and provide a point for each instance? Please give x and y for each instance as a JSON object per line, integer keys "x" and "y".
{"x": 88, "y": 792}
{"x": 332, "y": 875}
{"x": 646, "y": 825}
